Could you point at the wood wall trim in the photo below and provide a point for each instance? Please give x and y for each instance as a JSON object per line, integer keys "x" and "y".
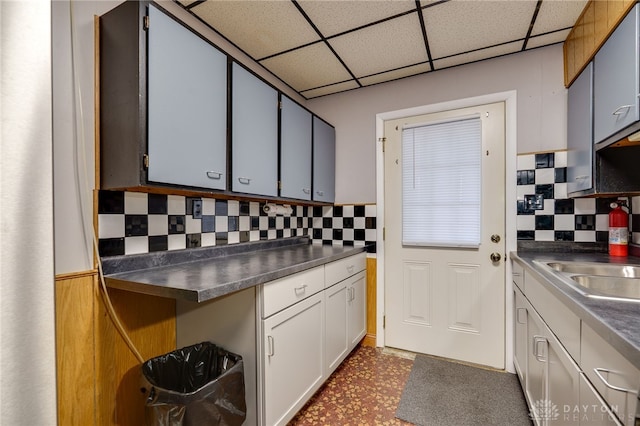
{"x": 370, "y": 338}
{"x": 76, "y": 275}
{"x": 596, "y": 23}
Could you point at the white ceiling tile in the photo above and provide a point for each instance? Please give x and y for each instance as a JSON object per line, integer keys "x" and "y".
{"x": 307, "y": 68}
{"x": 478, "y": 55}
{"x": 334, "y": 88}
{"x": 547, "y": 39}
{"x": 334, "y": 17}
{"x": 396, "y": 74}
{"x": 461, "y": 26}
{"x": 260, "y": 28}
{"x": 388, "y": 45}
{"x": 554, "y": 15}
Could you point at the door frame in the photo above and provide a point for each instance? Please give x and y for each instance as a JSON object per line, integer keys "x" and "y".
{"x": 511, "y": 150}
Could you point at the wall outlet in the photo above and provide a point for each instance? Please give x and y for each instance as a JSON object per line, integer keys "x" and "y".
{"x": 194, "y": 207}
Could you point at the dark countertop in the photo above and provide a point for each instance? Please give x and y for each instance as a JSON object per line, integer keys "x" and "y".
{"x": 206, "y": 273}
{"x": 618, "y": 322}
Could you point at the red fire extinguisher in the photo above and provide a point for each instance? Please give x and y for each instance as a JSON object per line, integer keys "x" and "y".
{"x": 618, "y": 230}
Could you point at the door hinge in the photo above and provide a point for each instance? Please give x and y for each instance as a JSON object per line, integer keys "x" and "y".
{"x": 383, "y": 140}
{"x": 145, "y": 23}
{"x": 384, "y": 321}
{"x": 280, "y": 184}
{"x": 384, "y": 233}
{"x": 145, "y": 161}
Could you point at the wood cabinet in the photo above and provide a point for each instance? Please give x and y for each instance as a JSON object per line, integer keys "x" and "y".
{"x": 295, "y": 150}
{"x": 156, "y": 126}
{"x": 579, "y": 133}
{"x": 324, "y": 161}
{"x": 616, "y": 82}
{"x": 254, "y": 134}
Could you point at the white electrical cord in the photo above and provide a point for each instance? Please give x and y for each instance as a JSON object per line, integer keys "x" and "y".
{"x": 81, "y": 158}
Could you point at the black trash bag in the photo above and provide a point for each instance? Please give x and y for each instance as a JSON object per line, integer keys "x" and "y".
{"x": 201, "y": 384}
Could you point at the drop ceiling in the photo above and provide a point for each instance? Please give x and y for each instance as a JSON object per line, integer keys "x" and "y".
{"x": 321, "y": 47}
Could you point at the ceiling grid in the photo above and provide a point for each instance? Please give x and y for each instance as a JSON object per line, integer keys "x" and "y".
{"x": 320, "y": 47}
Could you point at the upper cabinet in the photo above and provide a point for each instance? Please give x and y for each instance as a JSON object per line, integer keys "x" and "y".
{"x": 617, "y": 81}
{"x": 254, "y": 134}
{"x": 579, "y": 133}
{"x": 163, "y": 102}
{"x": 176, "y": 112}
{"x": 324, "y": 161}
{"x": 187, "y": 106}
{"x": 295, "y": 150}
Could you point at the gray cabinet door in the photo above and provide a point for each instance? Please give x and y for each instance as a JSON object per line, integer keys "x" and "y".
{"x": 324, "y": 161}
{"x": 295, "y": 150}
{"x": 254, "y": 135}
{"x": 580, "y": 133}
{"x": 616, "y": 80}
{"x": 187, "y": 106}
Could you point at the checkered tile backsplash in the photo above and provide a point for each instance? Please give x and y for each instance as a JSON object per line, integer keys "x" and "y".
{"x": 135, "y": 222}
{"x": 546, "y": 214}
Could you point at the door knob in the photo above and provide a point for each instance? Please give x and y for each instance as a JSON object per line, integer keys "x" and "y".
{"x": 495, "y": 257}
{"x": 495, "y": 238}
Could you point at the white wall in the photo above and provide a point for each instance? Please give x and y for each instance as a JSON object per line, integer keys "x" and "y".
{"x": 536, "y": 75}
{"x": 27, "y": 333}
{"x": 74, "y": 125}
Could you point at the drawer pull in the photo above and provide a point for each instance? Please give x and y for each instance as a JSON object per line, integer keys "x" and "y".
{"x": 320, "y": 193}
{"x": 536, "y": 345}
{"x": 350, "y": 268}
{"x": 272, "y": 348}
{"x": 518, "y": 310}
{"x": 619, "y": 110}
{"x": 300, "y": 289}
{"x": 599, "y": 372}
{"x": 244, "y": 180}
{"x": 516, "y": 274}
{"x": 214, "y": 175}
{"x": 306, "y": 190}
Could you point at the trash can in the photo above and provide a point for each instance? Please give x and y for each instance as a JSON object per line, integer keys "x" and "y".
{"x": 201, "y": 384}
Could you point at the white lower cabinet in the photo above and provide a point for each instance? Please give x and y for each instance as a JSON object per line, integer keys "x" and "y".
{"x": 308, "y": 324}
{"x": 593, "y": 387}
{"x": 293, "y": 358}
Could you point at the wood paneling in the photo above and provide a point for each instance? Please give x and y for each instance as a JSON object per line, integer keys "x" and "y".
{"x": 98, "y": 377}
{"x": 75, "y": 348}
{"x": 597, "y": 21}
{"x": 370, "y": 338}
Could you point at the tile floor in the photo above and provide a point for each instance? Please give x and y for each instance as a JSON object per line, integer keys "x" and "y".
{"x": 364, "y": 390}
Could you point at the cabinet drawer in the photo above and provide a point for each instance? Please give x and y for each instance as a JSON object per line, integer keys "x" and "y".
{"x": 564, "y": 323}
{"x": 278, "y": 294}
{"x": 344, "y": 268}
{"x": 517, "y": 274}
{"x": 610, "y": 374}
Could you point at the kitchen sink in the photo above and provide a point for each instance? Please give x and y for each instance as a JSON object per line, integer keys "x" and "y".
{"x": 599, "y": 280}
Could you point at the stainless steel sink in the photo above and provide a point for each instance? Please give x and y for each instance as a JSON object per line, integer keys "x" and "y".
{"x": 599, "y": 269}
{"x": 599, "y": 280}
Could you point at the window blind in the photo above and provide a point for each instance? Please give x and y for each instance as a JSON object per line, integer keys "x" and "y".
{"x": 441, "y": 177}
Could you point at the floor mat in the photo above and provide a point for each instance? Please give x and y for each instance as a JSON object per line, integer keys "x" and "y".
{"x": 441, "y": 392}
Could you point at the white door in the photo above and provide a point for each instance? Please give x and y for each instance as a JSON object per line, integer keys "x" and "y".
{"x": 447, "y": 299}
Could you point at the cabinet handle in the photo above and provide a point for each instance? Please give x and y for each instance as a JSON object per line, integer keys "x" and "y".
{"x": 536, "y": 344}
{"x": 581, "y": 177}
{"x": 272, "y": 348}
{"x": 214, "y": 175}
{"x": 320, "y": 193}
{"x": 618, "y": 110}
{"x": 244, "y": 180}
{"x": 599, "y": 372}
{"x": 300, "y": 289}
{"x": 518, "y": 310}
{"x": 306, "y": 190}
{"x": 350, "y": 269}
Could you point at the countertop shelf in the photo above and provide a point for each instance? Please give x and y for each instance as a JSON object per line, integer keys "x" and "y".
{"x": 203, "y": 274}
{"x": 618, "y": 322}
